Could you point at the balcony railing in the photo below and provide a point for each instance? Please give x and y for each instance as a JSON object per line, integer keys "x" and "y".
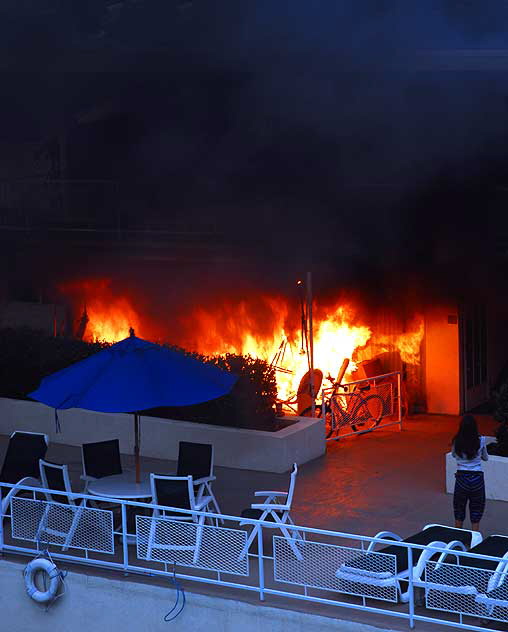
{"x": 313, "y": 565}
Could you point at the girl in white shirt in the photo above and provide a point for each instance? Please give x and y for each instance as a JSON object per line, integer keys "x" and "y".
{"x": 469, "y": 450}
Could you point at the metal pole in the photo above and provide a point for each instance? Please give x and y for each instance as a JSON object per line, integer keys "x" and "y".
{"x": 399, "y": 386}
{"x": 411, "y": 588}
{"x": 2, "y": 522}
{"x": 311, "y": 342}
{"x": 261, "y": 568}
{"x": 136, "y": 447}
{"x": 125, "y": 548}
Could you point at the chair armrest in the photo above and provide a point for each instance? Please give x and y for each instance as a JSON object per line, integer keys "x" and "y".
{"x": 385, "y": 535}
{"x": 270, "y": 493}
{"x": 270, "y": 506}
{"x": 202, "y": 481}
{"x": 201, "y": 504}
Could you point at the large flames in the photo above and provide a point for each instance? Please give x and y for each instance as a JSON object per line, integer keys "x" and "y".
{"x": 267, "y": 327}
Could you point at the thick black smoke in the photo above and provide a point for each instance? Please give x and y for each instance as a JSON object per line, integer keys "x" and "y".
{"x": 357, "y": 139}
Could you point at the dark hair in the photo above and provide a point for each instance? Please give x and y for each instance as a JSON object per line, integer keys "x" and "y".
{"x": 467, "y": 440}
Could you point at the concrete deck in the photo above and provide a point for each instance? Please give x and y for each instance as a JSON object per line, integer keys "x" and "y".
{"x": 382, "y": 480}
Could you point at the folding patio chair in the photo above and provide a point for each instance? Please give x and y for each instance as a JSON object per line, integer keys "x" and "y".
{"x": 472, "y": 581}
{"x": 100, "y": 459}
{"x": 66, "y": 507}
{"x": 196, "y": 460}
{"x": 21, "y": 463}
{"x": 175, "y": 492}
{"x": 275, "y": 509}
{"x": 364, "y": 569}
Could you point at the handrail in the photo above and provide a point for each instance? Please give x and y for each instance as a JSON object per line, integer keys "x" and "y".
{"x": 294, "y": 536}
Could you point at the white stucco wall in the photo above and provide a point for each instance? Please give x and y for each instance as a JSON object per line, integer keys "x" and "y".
{"x": 233, "y": 447}
{"x": 495, "y": 472}
{"x": 94, "y": 604}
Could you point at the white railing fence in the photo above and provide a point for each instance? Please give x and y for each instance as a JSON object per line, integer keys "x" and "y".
{"x": 314, "y": 565}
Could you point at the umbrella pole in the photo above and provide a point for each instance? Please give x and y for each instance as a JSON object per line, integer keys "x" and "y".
{"x": 136, "y": 447}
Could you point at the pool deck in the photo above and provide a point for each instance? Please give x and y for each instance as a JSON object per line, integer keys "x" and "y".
{"x": 385, "y": 480}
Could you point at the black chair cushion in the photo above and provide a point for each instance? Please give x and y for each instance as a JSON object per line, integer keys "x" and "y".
{"x": 22, "y": 457}
{"x": 494, "y": 545}
{"x": 172, "y": 493}
{"x": 440, "y": 533}
{"x": 194, "y": 459}
{"x": 102, "y": 458}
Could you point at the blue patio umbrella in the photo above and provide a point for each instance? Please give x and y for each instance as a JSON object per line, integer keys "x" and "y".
{"x": 134, "y": 375}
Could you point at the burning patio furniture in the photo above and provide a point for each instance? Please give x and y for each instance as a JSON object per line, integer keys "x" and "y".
{"x": 196, "y": 460}
{"x": 100, "y": 459}
{"x": 367, "y": 569}
{"x": 21, "y": 463}
{"x": 275, "y": 509}
{"x": 471, "y": 585}
{"x": 165, "y": 532}
{"x": 62, "y": 512}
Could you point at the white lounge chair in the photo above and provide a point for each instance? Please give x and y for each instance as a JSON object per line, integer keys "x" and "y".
{"x": 369, "y": 570}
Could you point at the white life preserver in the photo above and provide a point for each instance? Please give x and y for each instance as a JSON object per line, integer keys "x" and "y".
{"x": 41, "y": 564}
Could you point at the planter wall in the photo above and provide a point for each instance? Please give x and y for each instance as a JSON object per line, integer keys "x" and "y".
{"x": 495, "y": 473}
{"x": 234, "y": 447}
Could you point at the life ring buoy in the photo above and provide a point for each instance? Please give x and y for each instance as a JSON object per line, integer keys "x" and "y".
{"x": 41, "y": 564}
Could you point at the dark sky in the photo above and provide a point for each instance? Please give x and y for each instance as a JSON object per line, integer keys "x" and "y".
{"x": 365, "y": 137}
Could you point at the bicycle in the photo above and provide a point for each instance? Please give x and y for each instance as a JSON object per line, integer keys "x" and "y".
{"x": 354, "y": 409}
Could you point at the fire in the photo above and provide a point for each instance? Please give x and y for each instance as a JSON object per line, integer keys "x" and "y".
{"x": 105, "y": 316}
{"x": 262, "y": 326}
{"x": 265, "y": 328}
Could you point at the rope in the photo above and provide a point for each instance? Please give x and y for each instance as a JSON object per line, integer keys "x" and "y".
{"x": 179, "y": 591}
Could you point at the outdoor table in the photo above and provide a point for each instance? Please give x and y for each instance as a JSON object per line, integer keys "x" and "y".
{"x": 124, "y": 487}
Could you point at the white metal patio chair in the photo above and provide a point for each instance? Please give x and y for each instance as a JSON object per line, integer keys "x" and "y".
{"x": 175, "y": 492}
{"x": 65, "y": 506}
{"x": 21, "y": 462}
{"x": 274, "y": 509}
{"x": 365, "y": 569}
{"x": 196, "y": 460}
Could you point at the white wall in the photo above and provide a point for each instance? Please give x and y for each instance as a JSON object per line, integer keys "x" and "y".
{"x": 442, "y": 360}
{"x": 495, "y": 472}
{"x": 95, "y": 604}
{"x": 233, "y": 447}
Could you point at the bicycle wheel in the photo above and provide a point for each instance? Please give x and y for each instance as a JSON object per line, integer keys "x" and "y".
{"x": 332, "y": 417}
{"x": 370, "y": 413}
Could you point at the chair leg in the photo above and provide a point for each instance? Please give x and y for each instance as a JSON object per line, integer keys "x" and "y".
{"x": 296, "y": 534}
{"x": 151, "y": 538}
{"x": 74, "y": 526}
{"x": 42, "y": 523}
{"x": 249, "y": 541}
{"x": 252, "y": 535}
{"x": 291, "y": 540}
{"x": 214, "y": 501}
{"x": 199, "y": 537}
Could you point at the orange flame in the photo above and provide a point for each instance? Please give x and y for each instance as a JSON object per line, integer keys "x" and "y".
{"x": 110, "y": 317}
{"x": 265, "y": 327}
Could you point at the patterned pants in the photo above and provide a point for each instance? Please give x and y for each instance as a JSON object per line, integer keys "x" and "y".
{"x": 469, "y": 486}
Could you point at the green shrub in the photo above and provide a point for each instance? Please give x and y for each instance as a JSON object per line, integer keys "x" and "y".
{"x": 27, "y": 356}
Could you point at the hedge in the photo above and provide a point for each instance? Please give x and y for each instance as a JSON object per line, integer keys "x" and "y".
{"x": 27, "y": 356}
